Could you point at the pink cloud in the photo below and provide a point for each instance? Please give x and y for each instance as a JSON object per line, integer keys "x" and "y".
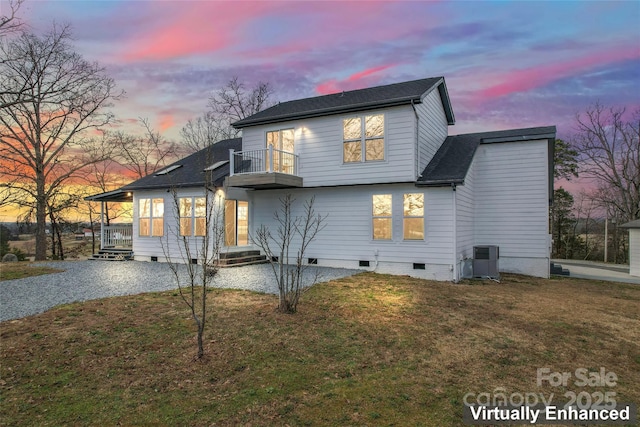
{"x": 368, "y": 77}
{"x": 526, "y": 79}
{"x": 183, "y": 29}
{"x": 166, "y": 121}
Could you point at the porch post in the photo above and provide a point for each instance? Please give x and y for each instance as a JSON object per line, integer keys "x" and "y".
{"x": 231, "y": 162}
{"x": 270, "y": 154}
{"x": 101, "y": 225}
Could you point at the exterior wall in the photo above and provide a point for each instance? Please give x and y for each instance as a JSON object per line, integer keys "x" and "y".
{"x": 465, "y": 216}
{"x": 510, "y": 189}
{"x": 347, "y": 237}
{"x": 170, "y": 245}
{"x": 432, "y": 128}
{"x": 318, "y": 142}
{"x": 634, "y": 251}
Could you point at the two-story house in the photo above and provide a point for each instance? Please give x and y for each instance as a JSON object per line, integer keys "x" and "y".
{"x": 401, "y": 196}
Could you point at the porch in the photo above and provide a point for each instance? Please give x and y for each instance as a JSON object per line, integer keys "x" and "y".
{"x": 263, "y": 169}
{"x": 114, "y": 236}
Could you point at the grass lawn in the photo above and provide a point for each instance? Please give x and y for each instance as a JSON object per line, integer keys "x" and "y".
{"x": 20, "y": 270}
{"x": 369, "y": 350}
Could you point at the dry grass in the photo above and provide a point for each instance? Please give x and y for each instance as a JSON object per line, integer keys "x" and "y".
{"x": 20, "y": 270}
{"x": 365, "y": 350}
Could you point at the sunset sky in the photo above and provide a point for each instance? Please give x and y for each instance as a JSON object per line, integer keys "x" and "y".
{"x": 506, "y": 64}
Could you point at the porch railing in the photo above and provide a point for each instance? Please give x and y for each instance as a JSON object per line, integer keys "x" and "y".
{"x": 267, "y": 160}
{"x": 117, "y": 236}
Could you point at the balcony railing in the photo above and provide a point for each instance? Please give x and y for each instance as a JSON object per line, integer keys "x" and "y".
{"x": 117, "y": 236}
{"x": 267, "y": 160}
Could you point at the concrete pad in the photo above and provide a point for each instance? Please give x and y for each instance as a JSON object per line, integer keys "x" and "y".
{"x": 598, "y": 270}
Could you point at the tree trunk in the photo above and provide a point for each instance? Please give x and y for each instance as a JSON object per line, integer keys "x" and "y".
{"x": 41, "y": 226}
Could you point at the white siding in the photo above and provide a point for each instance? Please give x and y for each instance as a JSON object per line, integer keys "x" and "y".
{"x": 511, "y": 204}
{"x": 465, "y": 220}
{"x": 432, "y": 128}
{"x": 318, "y": 143}
{"x": 170, "y": 244}
{"x": 346, "y": 239}
{"x": 634, "y": 252}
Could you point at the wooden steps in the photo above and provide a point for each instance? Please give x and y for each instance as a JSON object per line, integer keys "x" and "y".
{"x": 240, "y": 258}
{"x": 113, "y": 254}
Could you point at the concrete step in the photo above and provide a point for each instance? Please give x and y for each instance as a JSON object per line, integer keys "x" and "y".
{"x": 239, "y": 254}
{"x": 113, "y": 255}
{"x": 556, "y": 269}
{"x": 242, "y": 260}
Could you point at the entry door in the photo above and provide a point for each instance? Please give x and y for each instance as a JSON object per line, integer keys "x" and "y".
{"x": 236, "y": 223}
{"x": 283, "y": 145}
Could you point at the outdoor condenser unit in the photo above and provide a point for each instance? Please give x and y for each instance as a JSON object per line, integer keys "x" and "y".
{"x": 485, "y": 261}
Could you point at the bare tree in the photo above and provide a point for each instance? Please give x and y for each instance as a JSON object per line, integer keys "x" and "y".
{"x": 229, "y": 104}
{"x": 143, "y": 155}
{"x": 43, "y": 138}
{"x": 10, "y": 23}
{"x": 609, "y": 146}
{"x": 300, "y": 230}
{"x": 197, "y": 252}
{"x": 200, "y": 133}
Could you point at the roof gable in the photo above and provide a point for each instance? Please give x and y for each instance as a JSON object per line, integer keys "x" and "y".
{"x": 451, "y": 162}
{"x": 351, "y": 101}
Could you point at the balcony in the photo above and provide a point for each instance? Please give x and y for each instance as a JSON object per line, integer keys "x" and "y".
{"x": 263, "y": 169}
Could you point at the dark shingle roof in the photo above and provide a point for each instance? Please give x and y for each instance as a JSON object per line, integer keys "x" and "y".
{"x": 351, "y": 101}
{"x": 191, "y": 172}
{"x": 451, "y": 162}
{"x": 632, "y": 224}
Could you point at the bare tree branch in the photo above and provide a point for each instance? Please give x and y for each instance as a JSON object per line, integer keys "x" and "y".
{"x": 609, "y": 146}
{"x": 229, "y": 104}
{"x": 143, "y": 155}
{"x": 10, "y": 23}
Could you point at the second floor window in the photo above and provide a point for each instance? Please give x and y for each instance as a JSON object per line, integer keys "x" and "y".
{"x": 151, "y": 217}
{"x": 193, "y": 213}
{"x": 363, "y": 138}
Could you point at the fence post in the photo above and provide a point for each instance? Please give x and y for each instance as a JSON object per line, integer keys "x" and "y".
{"x": 231, "y": 162}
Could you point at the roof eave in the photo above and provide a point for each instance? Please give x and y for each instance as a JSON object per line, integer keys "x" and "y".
{"x": 518, "y": 138}
{"x": 327, "y": 111}
{"x": 440, "y": 183}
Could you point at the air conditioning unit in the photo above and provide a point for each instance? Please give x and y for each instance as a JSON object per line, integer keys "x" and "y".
{"x": 485, "y": 261}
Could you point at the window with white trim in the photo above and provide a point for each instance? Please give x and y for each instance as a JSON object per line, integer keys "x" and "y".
{"x": 151, "y": 217}
{"x": 363, "y": 138}
{"x": 193, "y": 211}
{"x": 413, "y": 216}
{"x": 382, "y": 223}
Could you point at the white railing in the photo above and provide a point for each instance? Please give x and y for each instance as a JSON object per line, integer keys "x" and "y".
{"x": 267, "y": 160}
{"x": 117, "y": 236}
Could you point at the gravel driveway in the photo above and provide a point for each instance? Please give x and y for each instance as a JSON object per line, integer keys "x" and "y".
{"x": 86, "y": 280}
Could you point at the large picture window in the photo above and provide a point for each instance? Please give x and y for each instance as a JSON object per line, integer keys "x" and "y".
{"x": 363, "y": 138}
{"x": 151, "y": 217}
{"x": 413, "y": 221}
{"x": 382, "y": 217}
{"x": 193, "y": 211}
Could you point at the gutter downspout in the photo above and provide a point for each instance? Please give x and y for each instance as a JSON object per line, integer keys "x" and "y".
{"x": 416, "y": 151}
{"x": 455, "y": 237}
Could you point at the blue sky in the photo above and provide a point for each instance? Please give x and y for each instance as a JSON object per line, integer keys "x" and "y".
{"x": 507, "y": 64}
